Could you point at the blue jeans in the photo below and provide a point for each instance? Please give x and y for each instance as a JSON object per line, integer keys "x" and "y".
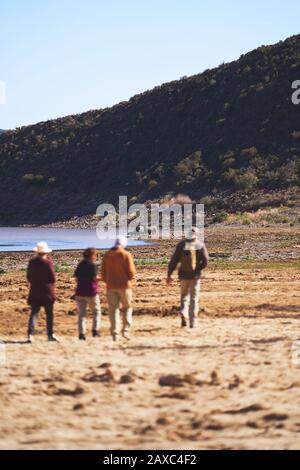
{"x": 34, "y": 316}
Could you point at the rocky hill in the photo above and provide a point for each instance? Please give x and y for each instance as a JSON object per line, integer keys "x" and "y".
{"x": 229, "y": 136}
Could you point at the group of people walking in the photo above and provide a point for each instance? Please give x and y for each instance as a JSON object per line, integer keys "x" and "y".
{"x": 117, "y": 272}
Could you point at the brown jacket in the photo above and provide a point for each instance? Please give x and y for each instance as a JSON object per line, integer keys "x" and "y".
{"x": 201, "y": 261}
{"x": 118, "y": 269}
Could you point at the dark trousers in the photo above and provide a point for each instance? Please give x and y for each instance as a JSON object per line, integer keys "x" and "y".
{"x": 34, "y": 316}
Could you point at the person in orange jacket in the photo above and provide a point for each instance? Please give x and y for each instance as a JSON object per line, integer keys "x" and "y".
{"x": 118, "y": 271}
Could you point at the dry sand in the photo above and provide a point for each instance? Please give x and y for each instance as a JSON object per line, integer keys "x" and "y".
{"x": 232, "y": 383}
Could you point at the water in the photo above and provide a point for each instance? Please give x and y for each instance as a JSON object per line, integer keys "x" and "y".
{"x": 25, "y": 239}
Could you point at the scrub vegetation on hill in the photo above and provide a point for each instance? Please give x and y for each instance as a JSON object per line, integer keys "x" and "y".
{"x": 229, "y": 137}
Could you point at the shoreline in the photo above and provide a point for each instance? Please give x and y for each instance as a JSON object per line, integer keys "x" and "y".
{"x": 227, "y": 247}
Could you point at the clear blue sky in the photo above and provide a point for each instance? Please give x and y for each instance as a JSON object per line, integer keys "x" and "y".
{"x": 61, "y": 57}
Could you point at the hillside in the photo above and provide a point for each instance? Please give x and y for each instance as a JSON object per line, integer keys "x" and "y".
{"x": 228, "y": 135}
{"x": 1, "y": 131}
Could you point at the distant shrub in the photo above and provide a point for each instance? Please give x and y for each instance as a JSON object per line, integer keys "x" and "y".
{"x": 243, "y": 93}
{"x": 249, "y": 153}
{"x": 139, "y": 177}
{"x": 209, "y": 201}
{"x": 28, "y": 178}
{"x": 221, "y": 217}
{"x": 289, "y": 173}
{"x": 159, "y": 171}
{"x": 39, "y": 179}
{"x": 247, "y": 69}
{"x": 188, "y": 168}
{"x": 228, "y": 160}
{"x": 62, "y": 268}
{"x": 245, "y": 221}
{"x": 33, "y": 179}
{"x": 152, "y": 184}
{"x": 241, "y": 180}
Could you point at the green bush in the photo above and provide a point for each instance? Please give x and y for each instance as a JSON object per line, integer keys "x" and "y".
{"x": 62, "y": 268}
{"x": 249, "y": 153}
{"x": 209, "y": 201}
{"x": 228, "y": 160}
{"x": 152, "y": 184}
{"x": 241, "y": 180}
{"x": 188, "y": 169}
{"x": 221, "y": 217}
{"x": 33, "y": 179}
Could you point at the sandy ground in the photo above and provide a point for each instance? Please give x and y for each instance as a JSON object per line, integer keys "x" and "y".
{"x": 234, "y": 383}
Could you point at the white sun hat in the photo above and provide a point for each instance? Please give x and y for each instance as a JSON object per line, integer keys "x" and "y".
{"x": 121, "y": 241}
{"x": 42, "y": 248}
{"x": 193, "y": 234}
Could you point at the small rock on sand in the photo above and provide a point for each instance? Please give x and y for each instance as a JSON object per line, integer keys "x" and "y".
{"x": 107, "y": 377}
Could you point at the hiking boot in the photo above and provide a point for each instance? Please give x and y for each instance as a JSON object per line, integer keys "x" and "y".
{"x": 82, "y": 337}
{"x": 96, "y": 334}
{"x": 115, "y": 338}
{"x": 183, "y": 323}
{"x": 30, "y": 339}
{"x": 52, "y": 339}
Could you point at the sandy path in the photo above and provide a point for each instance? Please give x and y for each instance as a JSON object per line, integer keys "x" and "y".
{"x": 236, "y": 385}
{"x": 238, "y": 389}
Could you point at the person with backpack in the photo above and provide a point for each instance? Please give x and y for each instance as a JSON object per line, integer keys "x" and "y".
{"x": 191, "y": 256}
{"x": 118, "y": 272}
{"x": 87, "y": 293}
{"x": 41, "y": 277}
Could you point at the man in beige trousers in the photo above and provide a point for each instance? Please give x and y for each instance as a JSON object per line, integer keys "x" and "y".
{"x": 191, "y": 257}
{"x": 118, "y": 271}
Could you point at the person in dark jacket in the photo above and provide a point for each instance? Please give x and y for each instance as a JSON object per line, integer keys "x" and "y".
{"x": 190, "y": 257}
{"x": 41, "y": 277}
{"x": 87, "y": 293}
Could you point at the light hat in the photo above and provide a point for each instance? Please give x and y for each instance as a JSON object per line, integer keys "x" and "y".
{"x": 42, "y": 248}
{"x": 121, "y": 241}
{"x": 193, "y": 234}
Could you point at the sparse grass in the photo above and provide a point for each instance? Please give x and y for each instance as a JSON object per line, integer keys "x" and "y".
{"x": 223, "y": 264}
{"x": 287, "y": 242}
{"x": 152, "y": 262}
{"x": 267, "y": 216}
{"x": 62, "y": 268}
